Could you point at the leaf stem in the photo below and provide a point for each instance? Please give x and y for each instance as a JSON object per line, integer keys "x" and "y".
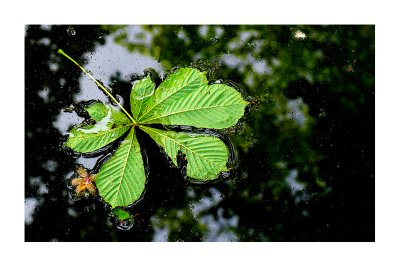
{"x": 61, "y": 52}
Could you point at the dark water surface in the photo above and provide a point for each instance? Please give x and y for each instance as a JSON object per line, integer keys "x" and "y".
{"x": 304, "y": 168}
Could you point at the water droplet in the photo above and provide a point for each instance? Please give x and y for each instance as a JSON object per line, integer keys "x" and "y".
{"x": 71, "y": 31}
{"x": 118, "y": 98}
{"x": 225, "y": 175}
{"x": 125, "y": 225}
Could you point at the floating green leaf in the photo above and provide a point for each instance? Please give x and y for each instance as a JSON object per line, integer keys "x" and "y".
{"x": 183, "y": 98}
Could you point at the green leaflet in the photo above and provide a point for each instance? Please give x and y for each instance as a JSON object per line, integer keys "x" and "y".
{"x": 216, "y": 106}
{"x": 121, "y": 179}
{"x": 177, "y": 85}
{"x": 110, "y": 125}
{"x": 206, "y": 155}
{"x": 89, "y": 138}
{"x": 141, "y": 90}
{"x": 185, "y": 98}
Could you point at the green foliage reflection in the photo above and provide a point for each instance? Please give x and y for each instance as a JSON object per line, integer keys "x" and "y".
{"x": 302, "y": 80}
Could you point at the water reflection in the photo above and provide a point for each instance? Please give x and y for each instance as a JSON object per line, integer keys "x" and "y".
{"x": 311, "y": 114}
{"x": 109, "y": 59}
{"x": 31, "y": 204}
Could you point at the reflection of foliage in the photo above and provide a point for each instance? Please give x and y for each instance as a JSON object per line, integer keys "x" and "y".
{"x": 306, "y": 148}
{"x": 180, "y": 225}
{"x": 283, "y": 75}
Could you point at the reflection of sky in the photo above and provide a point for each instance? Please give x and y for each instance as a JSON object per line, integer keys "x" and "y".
{"x": 44, "y": 94}
{"x": 294, "y": 185}
{"x": 50, "y": 165}
{"x": 217, "y": 228}
{"x": 104, "y": 62}
{"x": 107, "y": 59}
{"x": 65, "y": 121}
{"x": 89, "y": 163}
{"x": 297, "y": 188}
{"x": 32, "y": 203}
{"x": 295, "y": 111}
{"x": 37, "y": 182}
{"x": 160, "y": 234}
{"x": 257, "y": 65}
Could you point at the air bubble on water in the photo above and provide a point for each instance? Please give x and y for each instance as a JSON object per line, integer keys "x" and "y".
{"x": 71, "y": 31}
{"x": 220, "y": 81}
{"x": 119, "y": 99}
{"x": 225, "y": 175}
{"x": 125, "y": 225}
{"x": 73, "y": 196}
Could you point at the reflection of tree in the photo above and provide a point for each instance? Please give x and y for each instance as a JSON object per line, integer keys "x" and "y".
{"x": 306, "y": 147}
{"x": 327, "y": 81}
{"x": 49, "y": 86}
